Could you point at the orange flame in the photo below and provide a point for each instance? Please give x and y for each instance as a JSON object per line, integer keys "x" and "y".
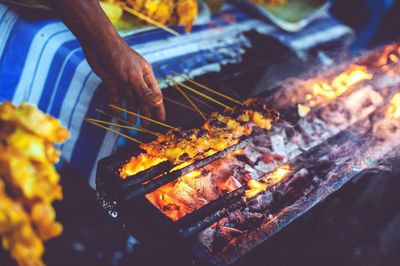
{"x": 164, "y": 199}
{"x": 256, "y": 187}
{"x": 393, "y": 110}
{"x": 138, "y": 164}
{"x": 342, "y": 83}
{"x": 323, "y": 90}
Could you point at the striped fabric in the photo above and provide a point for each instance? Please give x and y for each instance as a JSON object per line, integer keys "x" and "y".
{"x": 42, "y": 63}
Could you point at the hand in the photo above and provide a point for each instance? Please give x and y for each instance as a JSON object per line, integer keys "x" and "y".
{"x": 126, "y": 76}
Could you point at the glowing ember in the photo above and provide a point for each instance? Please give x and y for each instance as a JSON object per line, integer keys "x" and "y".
{"x": 168, "y": 199}
{"x": 342, "y": 83}
{"x": 394, "y": 108}
{"x": 277, "y": 175}
{"x": 303, "y": 110}
{"x": 138, "y": 164}
{"x": 256, "y": 187}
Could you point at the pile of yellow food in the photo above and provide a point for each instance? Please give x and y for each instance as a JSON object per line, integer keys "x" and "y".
{"x": 167, "y": 12}
{"x": 29, "y": 183}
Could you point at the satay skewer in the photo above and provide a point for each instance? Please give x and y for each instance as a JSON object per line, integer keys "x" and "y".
{"x": 182, "y": 105}
{"x": 191, "y": 102}
{"x": 135, "y": 127}
{"x": 198, "y": 99}
{"x": 149, "y": 20}
{"x": 208, "y": 88}
{"x": 141, "y": 116}
{"x": 200, "y": 93}
{"x": 121, "y": 126}
{"x": 115, "y": 132}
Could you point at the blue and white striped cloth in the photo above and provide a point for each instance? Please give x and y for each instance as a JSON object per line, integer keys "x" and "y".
{"x": 42, "y": 63}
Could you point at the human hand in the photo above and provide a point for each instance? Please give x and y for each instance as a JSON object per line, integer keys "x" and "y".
{"x": 127, "y": 77}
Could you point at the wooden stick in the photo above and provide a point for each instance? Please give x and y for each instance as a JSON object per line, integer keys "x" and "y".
{"x": 182, "y": 105}
{"x": 116, "y": 132}
{"x": 208, "y": 89}
{"x": 196, "y": 98}
{"x": 143, "y": 117}
{"x": 136, "y": 127}
{"x": 149, "y": 20}
{"x": 121, "y": 126}
{"x": 191, "y": 102}
{"x": 200, "y": 94}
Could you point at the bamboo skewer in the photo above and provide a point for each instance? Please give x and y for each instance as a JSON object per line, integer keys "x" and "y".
{"x": 182, "y": 105}
{"x": 133, "y": 126}
{"x": 121, "y": 126}
{"x": 149, "y": 20}
{"x": 191, "y": 102}
{"x": 140, "y": 116}
{"x": 200, "y": 94}
{"x": 116, "y": 132}
{"x": 208, "y": 89}
{"x": 197, "y": 98}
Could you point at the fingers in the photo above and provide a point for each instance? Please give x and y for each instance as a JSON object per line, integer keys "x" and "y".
{"x": 155, "y": 96}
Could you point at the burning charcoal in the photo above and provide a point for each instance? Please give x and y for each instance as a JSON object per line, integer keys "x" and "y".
{"x": 236, "y": 218}
{"x": 335, "y": 113}
{"x": 265, "y": 199}
{"x": 293, "y": 149}
{"x": 251, "y": 171}
{"x": 254, "y": 206}
{"x": 262, "y": 149}
{"x": 252, "y": 219}
{"x": 231, "y": 184}
{"x": 298, "y": 178}
{"x": 251, "y": 155}
{"x": 278, "y": 144}
{"x": 324, "y": 162}
{"x": 362, "y": 102}
{"x": 204, "y": 187}
{"x": 222, "y": 236}
{"x": 187, "y": 195}
{"x": 270, "y": 157}
{"x": 207, "y": 236}
{"x": 386, "y": 129}
{"x": 264, "y": 168}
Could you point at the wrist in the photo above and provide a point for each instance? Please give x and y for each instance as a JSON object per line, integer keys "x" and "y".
{"x": 86, "y": 20}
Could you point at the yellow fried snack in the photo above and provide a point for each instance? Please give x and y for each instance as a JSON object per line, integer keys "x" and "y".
{"x": 29, "y": 182}
{"x": 167, "y": 12}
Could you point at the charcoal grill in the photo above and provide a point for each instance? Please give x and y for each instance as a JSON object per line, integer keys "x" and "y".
{"x": 316, "y": 173}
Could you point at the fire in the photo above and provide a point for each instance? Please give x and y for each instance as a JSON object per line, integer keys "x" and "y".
{"x": 164, "y": 198}
{"x": 342, "y": 83}
{"x": 138, "y": 164}
{"x": 393, "y": 110}
{"x": 256, "y": 187}
{"x": 277, "y": 175}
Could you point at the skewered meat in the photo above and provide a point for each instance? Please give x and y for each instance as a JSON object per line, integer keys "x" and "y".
{"x": 174, "y": 12}
{"x": 218, "y": 133}
{"x": 29, "y": 182}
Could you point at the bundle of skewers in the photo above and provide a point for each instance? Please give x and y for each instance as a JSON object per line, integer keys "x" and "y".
{"x": 179, "y": 147}
{"x": 29, "y": 182}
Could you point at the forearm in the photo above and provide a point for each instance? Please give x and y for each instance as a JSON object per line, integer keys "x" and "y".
{"x": 86, "y": 20}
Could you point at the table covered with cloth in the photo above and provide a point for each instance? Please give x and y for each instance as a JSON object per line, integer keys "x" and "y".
{"x": 42, "y": 63}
